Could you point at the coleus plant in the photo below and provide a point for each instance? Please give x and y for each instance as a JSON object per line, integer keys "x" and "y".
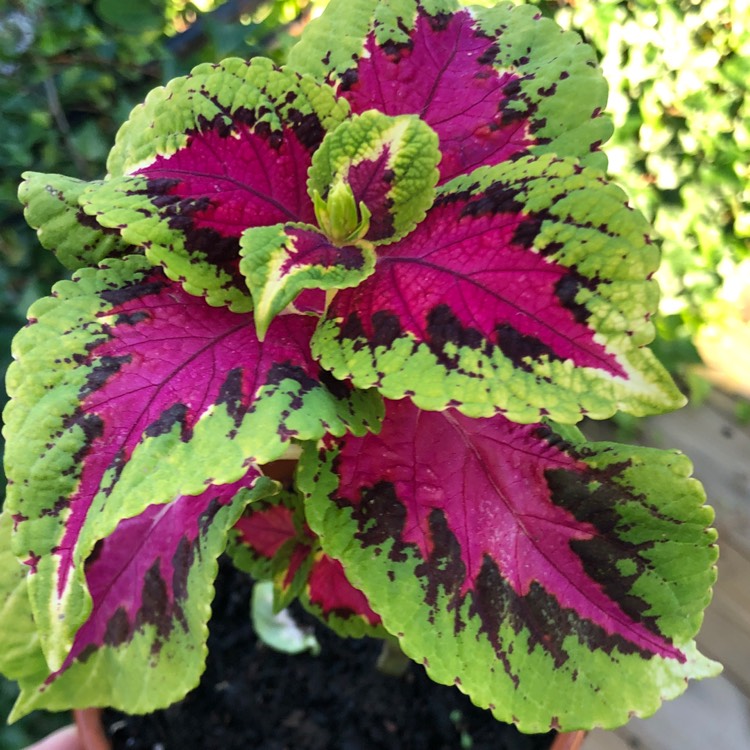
{"x": 397, "y": 259}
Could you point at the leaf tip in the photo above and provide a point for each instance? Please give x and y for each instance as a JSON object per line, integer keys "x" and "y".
{"x": 263, "y": 317}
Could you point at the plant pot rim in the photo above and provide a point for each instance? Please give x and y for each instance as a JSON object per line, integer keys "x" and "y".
{"x": 90, "y": 729}
{"x": 569, "y": 740}
{"x": 93, "y": 737}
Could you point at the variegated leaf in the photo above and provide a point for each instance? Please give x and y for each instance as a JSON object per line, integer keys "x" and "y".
{"x": 21, "y": 656}
{"x": 390, "y": 166}
{"x": 211, "y": 154}
{"x": 330, "y": 596}
{"x": 527, "y": 291}
{"x": 51, "y": 207}
{"x": 272, "y": 541}
{"x": 494, "y": 83}
{"x": 557, "y": 582}
{"x": 129, "y": 392}
{"x": 281, "y": 261}
{"x": 143, "y": 644}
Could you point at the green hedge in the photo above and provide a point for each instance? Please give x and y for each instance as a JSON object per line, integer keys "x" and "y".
{"x": 678, "y": 74}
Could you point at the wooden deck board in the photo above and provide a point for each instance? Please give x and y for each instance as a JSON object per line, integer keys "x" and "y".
{"x": 601, "y": 740}
{"x": 710, "y": 715}
{"x": 725, "y": 635}
{"x": 732, "y": 590}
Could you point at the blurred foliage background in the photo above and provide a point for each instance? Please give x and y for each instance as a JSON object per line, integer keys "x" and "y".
{"x": 678, "y": 72}
{"x": 71, "y": 70}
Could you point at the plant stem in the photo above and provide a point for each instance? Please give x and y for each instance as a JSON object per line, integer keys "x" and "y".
{"x": 392, "y": 660}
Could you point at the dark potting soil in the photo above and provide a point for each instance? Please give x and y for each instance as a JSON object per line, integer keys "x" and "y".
{"x": 254, "y": 698}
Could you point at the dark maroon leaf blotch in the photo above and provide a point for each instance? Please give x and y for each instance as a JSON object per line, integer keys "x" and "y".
{"x": 386, "y": 328}
{"x": 489, "y": 55}
{"x": 232, "y": 397}
{"x": 159, "y": 191}
{"x": 573, "y": 491}
{"x": 92, "y": 427}
{"x": 116, "y": 466}
{"x": 175, "y": 414}
{"x": 309, "y": 130}
{"x": 546, "y": 433}
{"x": 349, "y": 79}
{"x": 84, "y": 656}
{"x": 527, "y": 231}
{"x": 90, "y": 222}
{"x": 444, "y": 568}
{"x": 218, "y": 123}
{"x": 566, "y": 290}
{"x": 381, "y": 516}
{"x": 497, "y": 199}
{"x": 118, "y": 628}
{"x": 443, "y": 328}
{"x": 59, "y": 505}
{"x": 208, "y": 515}
{"x": 286, "y": 371}
{"x": 519, "y": 347}
{"x": 182, "y": 562}
{"x": 155, "y": 606}
{"x": 131, "y": 319}
{"x": 546, "y": 623}
{"x": 490, "y": 604}
{"x": 120, "y": 296}
{"x": 600, "y": 556}
{"x": 94, "y": 556}
{"x": 340, "y": 389}
{"x": 397, "y": 50}
{"x": 439, "y": 22}
{"x": 352, "y": 328}
{"x": 99, "y": 375}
